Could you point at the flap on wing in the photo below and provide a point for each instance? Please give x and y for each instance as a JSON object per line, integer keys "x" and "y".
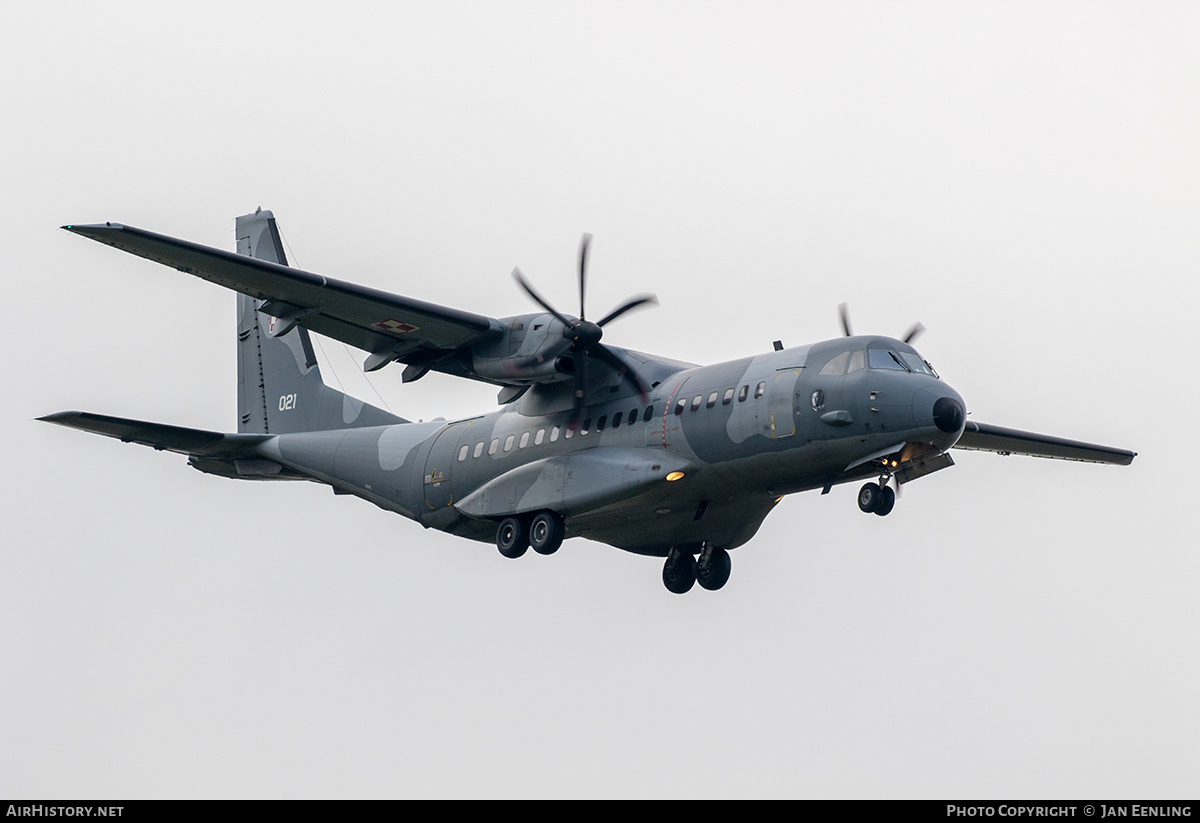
{"x": 371, "y": 320}
{"x": 984, "y": 437}
{"x": 162, "y": 437}
{"x": 573, "y": 483}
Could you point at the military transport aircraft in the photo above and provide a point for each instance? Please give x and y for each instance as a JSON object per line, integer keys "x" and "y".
{"x": 649, "y": 455}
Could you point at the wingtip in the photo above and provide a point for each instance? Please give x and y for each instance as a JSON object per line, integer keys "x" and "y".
{"x": 59, "y": 417}
{"x": 90, "y": 228}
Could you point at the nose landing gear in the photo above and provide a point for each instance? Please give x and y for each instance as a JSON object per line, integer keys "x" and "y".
{"x": 682, "y": 570}
{"x": 679, "y": 572}
{"x": 713, "y": 567}
{"x": 877, "y": 498}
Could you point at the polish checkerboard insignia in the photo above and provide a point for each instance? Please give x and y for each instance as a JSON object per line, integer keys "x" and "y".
{"x": 395, "y": 326}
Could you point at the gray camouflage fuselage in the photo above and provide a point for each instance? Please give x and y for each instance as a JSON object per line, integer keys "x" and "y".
{"x": 740, "y": 447}
{"x": 647, "y": 454}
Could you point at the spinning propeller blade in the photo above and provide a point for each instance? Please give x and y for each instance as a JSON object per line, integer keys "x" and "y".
{"x": 915, "y": 331}
{"x": 845, "y": 315}
{"x": 582, "y": 337}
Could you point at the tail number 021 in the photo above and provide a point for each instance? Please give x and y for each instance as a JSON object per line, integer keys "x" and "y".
{"x": 287, "y": 402}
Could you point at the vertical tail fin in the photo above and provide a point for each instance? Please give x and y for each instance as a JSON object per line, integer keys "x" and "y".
{"x": 280, "y": 390}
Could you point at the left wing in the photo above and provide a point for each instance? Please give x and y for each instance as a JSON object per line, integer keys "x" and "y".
{"x": 389, "y": 326}
{"x": 984, "y": 437}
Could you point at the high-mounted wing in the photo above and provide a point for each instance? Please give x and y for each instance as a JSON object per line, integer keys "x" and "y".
{"x": 389, "y": 326}
{"x": 984, "y": 437}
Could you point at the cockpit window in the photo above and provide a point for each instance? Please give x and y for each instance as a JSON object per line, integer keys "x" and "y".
{"x": 900, "y": 361}
{"x": 836, "y": 366}
{"x": 915, "y": 363}
{"x": 858, "y": 360}
{"x": 885, "y": 359}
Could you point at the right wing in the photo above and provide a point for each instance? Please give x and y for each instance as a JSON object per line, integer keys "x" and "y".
{"x": 984, "y": 437}
{"x": 389, "y": 326}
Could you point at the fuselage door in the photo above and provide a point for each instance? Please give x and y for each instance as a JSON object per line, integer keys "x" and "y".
{"x": 439, "y": 466}
{"x": 780, "y": 403}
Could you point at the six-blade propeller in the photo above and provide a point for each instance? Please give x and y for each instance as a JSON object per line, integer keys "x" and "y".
{"x": 581, "y": 337}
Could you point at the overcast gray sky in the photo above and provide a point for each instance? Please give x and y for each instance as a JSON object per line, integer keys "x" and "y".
{"x": 1020, "y": 177}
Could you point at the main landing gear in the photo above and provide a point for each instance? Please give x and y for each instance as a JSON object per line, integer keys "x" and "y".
{"x": 877, "y": 498}
{"x": 543, "y": 531}
{"x": 683, "y": 570}
{"x": 685, "y": 566}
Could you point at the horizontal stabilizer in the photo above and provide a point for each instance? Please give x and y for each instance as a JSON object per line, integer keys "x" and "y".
{"x": 984, "y": 437}
{"x": 162, "y": 437}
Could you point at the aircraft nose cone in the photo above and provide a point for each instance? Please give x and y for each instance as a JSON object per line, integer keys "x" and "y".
{"x": 939, "y": 411}
{"x": 948, "y": 414}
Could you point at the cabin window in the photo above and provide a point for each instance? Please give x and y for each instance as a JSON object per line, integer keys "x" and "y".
{"x": 539, "y": 437}
{"x": 744, "y": 393}
{"x": 508, "y": 442}
{"x": 760, "y": 389}
{"x": 553, "y": 434}
{"x": 600, "y": 423}
{"x": 617, "y": 419}
{"x": 696, "y": 401}
{"x": 478, "y": 449}
{"x": 587, "y": 425}
{"x": 649, "y": 413}
{"x": 524, "y": 440}
{"x": 681, "y": 405}
{"x": 570, "y": 432}
{"x": 712, "y": 401}
{"x": 728, "y": 398}
{"x": 462, "y": 453}
{"x": 492, "y": 449}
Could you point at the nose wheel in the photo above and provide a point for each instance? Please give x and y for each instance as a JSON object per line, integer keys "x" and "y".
{"x": 683, "y": 570}
{"x": 877, "y": 498}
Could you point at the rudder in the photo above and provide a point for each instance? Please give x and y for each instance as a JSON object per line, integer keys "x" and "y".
{"x": 280, "y": 390}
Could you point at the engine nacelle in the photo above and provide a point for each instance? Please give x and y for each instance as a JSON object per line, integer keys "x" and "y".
{"x": 528, "y": 352}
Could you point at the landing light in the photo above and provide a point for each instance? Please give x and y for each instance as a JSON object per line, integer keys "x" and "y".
{"x": 673, "y": 476}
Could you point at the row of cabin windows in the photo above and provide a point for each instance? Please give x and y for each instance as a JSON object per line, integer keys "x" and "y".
{"x": 682, "y": 403}
{"x": 540, "y": 437}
